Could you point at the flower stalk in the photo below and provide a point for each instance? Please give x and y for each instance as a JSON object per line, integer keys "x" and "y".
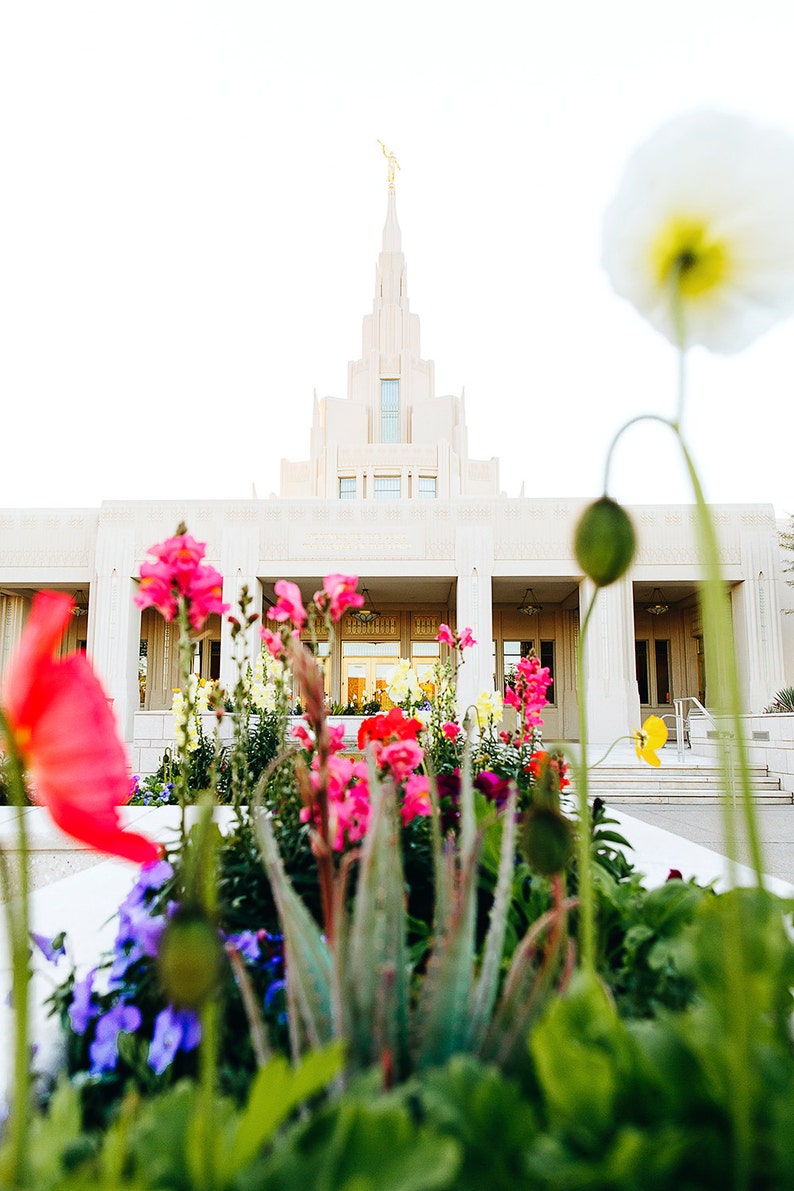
{"x": 18, "y": 917}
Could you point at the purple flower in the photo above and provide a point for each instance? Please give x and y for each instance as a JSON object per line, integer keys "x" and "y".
{"x": 104, "y": 1050}
{"x": 81, "y": 1010}
{"x": 247, "y": 943}
{"x": 51, "y": 949}
{"x": 496, "y": 789}
{"x": 174, "y": 1029}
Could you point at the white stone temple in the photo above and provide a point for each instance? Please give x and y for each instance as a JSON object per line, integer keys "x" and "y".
{"x": 390, "y": 493}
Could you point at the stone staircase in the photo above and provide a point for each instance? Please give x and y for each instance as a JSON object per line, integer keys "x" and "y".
{"x": 688, "y": 784}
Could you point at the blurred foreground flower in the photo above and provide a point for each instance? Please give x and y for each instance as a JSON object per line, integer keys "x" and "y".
{"x": 699, "y": 236}
{"x": 650, "y": 737}
{"x": 63, "y": 730}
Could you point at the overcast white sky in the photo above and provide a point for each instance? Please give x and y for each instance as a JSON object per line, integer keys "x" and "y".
{"x": 191, "y": 205}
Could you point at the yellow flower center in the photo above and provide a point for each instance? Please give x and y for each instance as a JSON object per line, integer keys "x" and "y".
{"x": 22, "y": 737}
{"x": 685, "y": 249}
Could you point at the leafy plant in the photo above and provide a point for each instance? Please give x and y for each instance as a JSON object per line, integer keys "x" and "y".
{"x": 783, "y": 700}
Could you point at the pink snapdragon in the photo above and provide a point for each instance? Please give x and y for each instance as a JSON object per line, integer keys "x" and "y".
{"x": 273, "y": 643}
{"x": 348, "y": 800}
{"x": 416, "y": 800}
{"x": 460, "y": 641}
{"x": 178, "y": 574}
{"x": 401, "y": 758}
{"x": 289, "y": 605}
{"x": 181, "y": 555}
{"x": 338, "y": 593}
{"x": 528, "y": 696}
{"x": 451, "y": 730}
{"x": 206, "y": 596}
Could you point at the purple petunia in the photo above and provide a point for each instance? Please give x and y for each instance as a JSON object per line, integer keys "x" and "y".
{"x": 51, "y": 948}
{"x": 104, "y": 1050}
{"x": 82, "y": 1010}
{"x": 247, "y": 943}
{"x": 174, "y": 1029}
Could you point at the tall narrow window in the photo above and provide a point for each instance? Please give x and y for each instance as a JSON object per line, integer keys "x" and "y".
{"x": 347, "y": 487}
{"x": 547, "y": 659}
{"x": 512, "y": 653}
{"x": 387, "y": 487}
{"x": 641, "y": 656}
{"x": 662, "y": 649}
{"x": 390, "y": 411}
{"x": 427, "y": 487}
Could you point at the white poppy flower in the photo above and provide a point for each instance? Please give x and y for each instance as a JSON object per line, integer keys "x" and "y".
{"x": 704, "y": 217}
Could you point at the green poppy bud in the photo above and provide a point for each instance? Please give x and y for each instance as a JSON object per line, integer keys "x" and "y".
{"x": 547, "y": 840}
{"x": 604, "y": 542}
{"x": 189, "y": 959}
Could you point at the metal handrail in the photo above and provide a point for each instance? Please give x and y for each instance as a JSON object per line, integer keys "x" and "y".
{"x": 680, "y": 719}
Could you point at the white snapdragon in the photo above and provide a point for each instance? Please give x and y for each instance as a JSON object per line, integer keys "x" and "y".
{"x": 267, "y": 682}
{"x": 489, "y": 707}
{"x": 403, "y": 684}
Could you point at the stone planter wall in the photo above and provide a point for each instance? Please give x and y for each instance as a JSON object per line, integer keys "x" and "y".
{"x": 154, "y": 733}
{"x": 769, "y": 740}
{"x": 53, "y": 854}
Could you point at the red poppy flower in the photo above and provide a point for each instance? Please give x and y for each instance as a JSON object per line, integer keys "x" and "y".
{"x": 64, "y": 732}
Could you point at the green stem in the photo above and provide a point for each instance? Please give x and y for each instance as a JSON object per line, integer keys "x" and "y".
{"x": 18, "y": 917}
{"x": 721, "y": 659}
{"x": 586, "y": 909}
{"x": 185, "y": 671}
{"x": 721, "y": 656}
{"x": 207, "y": 1079}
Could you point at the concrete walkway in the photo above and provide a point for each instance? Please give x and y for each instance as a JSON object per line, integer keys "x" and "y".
{"x": 703, "y": 825}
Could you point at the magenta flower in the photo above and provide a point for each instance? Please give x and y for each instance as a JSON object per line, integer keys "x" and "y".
{"x": 338, "y": 594}
{"x": 155, "y": 589}
{"x": 206, "y": 596}
{"x": 416, "y": 800}
{"x": 179, "y": 574}
{"x": 451, "y": 730}
{"x": 289, "y": 605}
{"x": 462, "y": 640}
{"x": 180, "y": 556}
{"x": 273, "y": 643}
{"x": 401, "y": 757}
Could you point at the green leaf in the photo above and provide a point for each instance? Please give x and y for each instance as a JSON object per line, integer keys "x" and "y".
{"x": 583, "y": 1054}
{"x": 352, "y": 1146}
{"x": 375, "y": 979}
{"x": 308, "y": 961}
{"x": 277, "y": 1089}
{"x": 483, "y": 996}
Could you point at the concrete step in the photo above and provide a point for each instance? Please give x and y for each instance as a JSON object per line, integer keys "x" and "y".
{"x": 681, "y": 784}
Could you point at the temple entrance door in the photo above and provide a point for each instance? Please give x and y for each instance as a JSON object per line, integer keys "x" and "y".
{"x": 366, "y": 671}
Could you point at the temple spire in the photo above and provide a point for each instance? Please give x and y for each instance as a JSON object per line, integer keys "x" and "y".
{"x": 392, "y": 237}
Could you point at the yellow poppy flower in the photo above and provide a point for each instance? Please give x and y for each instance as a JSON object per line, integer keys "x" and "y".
{"x": 650, "y": 737}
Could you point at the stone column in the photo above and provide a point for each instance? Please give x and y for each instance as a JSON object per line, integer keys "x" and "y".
{"x": 755, "y": 607}
{"x": 612, "y": 699}
{"x": 114, "y": 622}
{"x": 239, "y": 563}
{"x": 474, "y": 565}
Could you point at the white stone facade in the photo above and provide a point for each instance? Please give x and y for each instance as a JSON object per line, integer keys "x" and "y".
{"x": 389, "y": 493}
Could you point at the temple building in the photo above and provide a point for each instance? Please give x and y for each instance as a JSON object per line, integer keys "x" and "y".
{"x": 389, "y": 492}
